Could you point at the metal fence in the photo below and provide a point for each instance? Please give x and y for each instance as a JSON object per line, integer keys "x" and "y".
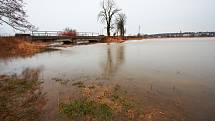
{"x": 59, "y": 33}
{"x": 6, "y": 35}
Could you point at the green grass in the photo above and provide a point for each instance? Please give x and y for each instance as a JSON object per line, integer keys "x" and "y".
{"x": 84, "y": 107}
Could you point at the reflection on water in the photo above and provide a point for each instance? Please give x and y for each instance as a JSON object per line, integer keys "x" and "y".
{"x": 115, "y": 53}
{"x": 166, "y": 77}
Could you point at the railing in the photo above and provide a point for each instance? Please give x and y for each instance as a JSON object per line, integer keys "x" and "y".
{"x": 45, "y": 33}
{"x": 59, "y": 33}
{"x": 6, "y": 35}
{"x": 87, "y": 34}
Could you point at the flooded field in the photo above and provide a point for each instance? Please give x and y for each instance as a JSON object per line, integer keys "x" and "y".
{"x": 166, "y": 79}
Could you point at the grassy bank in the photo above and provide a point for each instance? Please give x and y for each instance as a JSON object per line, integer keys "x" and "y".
{"x": 113, "y": 39}
{"x": 12, "y": 46}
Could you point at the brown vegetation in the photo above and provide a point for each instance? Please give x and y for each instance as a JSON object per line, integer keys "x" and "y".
{"x": 12, "y": 47}
{"x": 100, "y": 103}
{"x": 113, "y": 39}
{"x": 111, "y": 102}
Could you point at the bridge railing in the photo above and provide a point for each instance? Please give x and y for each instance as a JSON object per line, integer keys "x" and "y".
{"x": 87, "y": 34}
{"x": 45, "y": 33}
{"x": 59, "y": 33}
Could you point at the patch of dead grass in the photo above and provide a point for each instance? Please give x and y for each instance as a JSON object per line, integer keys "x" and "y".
{"x": 12, "y": 47}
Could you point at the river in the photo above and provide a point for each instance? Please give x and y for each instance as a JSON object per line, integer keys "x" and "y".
{"x": 173, "y": 75}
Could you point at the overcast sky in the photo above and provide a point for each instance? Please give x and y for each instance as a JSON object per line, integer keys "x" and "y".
{"x": 154, "y": 16}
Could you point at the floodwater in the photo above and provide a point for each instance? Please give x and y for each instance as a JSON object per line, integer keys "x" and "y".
{"x": 172, "y": 76}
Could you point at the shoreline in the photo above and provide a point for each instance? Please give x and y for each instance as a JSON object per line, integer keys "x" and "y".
{"x": 24, "y": 47}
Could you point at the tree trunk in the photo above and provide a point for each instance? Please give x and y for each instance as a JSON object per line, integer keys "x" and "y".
{"x": 108, "y": 30}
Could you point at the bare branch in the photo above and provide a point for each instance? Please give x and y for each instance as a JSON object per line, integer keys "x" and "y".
{"x": 120, "y": 23}
{"x": 13, "y": 14}
{"x": 107, "y": 13}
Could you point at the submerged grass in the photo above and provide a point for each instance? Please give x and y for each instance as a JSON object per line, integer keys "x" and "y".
{"x": 20, "y": 100}
{"x": 98, "y": 102}
{"x": 81, "y": 108}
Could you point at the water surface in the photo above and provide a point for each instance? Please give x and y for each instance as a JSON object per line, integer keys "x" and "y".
{"x": 176, "y": 76}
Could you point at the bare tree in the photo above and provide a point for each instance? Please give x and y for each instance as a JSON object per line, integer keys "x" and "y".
{"x": 67, "y": 29}
{"x": 109, "y": 10}
{"x": 120, "y": 24}
{"x": 13, "y": 14}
